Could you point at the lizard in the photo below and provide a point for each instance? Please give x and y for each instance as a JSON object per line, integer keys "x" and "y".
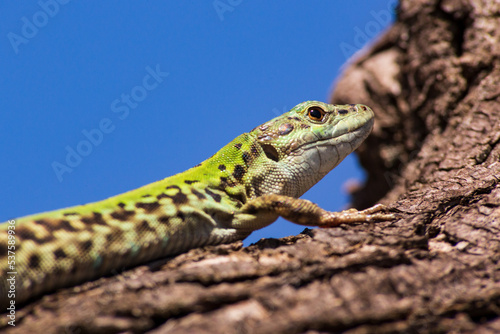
{"x": 247, "y": 185}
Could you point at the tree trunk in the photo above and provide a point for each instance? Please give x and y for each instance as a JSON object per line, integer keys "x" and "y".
{"x": 433, "y": 80}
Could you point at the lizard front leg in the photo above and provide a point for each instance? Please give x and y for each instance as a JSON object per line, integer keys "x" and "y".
{"x": 304, "y": 212}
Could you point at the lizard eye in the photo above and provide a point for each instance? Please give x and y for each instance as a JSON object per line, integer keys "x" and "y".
{"x": 316, "y": 113}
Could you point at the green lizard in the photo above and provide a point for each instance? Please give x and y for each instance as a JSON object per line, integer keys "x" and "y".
{"x": 245, "y": 186}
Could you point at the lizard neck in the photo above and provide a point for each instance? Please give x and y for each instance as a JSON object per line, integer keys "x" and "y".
{"x": 244, "y": 170}
{"x": 228, "y": 170}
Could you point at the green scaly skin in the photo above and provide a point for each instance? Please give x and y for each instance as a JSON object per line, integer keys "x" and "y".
{"x": 245, "y": 186}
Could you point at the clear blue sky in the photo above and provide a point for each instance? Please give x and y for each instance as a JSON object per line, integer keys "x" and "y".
{"x": 68, "y": 67}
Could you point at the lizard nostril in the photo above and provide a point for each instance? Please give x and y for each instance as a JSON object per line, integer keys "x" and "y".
{"x": 343, "y": 112}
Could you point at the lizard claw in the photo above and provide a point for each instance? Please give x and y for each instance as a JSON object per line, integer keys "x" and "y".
{"x": 374, "y": 213}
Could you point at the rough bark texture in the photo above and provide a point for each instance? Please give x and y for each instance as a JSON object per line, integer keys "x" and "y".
{"x": 433, "y": 80}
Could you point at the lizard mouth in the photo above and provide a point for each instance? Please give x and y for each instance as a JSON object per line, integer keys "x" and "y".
{"x": 339, "y": 136}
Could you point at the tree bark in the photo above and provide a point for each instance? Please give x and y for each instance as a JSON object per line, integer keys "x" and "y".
{"x": 433, "y": 80}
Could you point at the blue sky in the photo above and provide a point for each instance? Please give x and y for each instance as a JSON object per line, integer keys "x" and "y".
{"x": 72, "y": 69}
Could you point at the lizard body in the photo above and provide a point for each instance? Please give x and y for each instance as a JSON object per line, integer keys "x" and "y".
{"x": 245, "y": 186}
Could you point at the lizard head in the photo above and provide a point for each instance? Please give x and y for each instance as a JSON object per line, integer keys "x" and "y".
{"x": 307, "y": 142}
